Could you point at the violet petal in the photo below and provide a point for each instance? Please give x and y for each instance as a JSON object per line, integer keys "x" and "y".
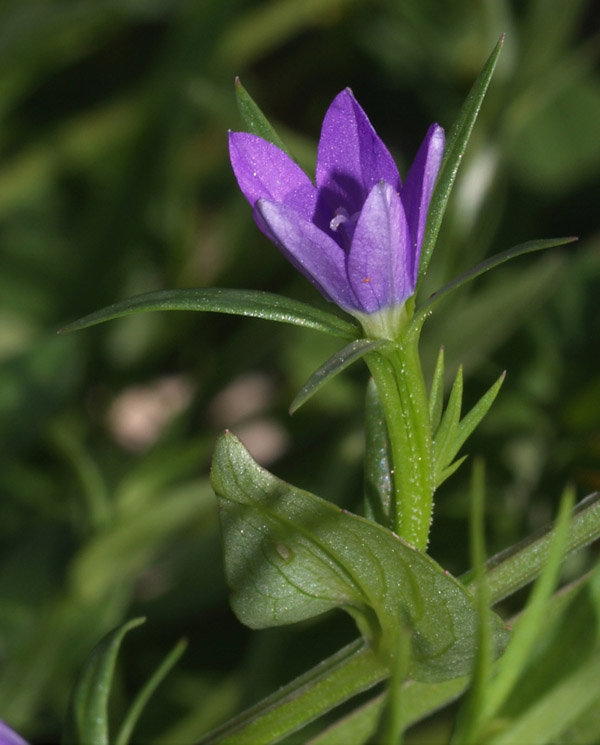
{"x": 379, "y": 257}
{"x": 418, "y": 187}
{"x": 9, "y": 736}
{"x": 310, "y": 250}
{"x": 264, "y": 171}
{"x": 351, "y": 157}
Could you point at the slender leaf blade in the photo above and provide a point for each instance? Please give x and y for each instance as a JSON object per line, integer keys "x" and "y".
{"x": 544, "y": 721}
{"x": 491, "y": 263}
{"x": 465, "y": 428}
{"x": 420, "y": 700}
{"x": 449, "y": 470}
{"x": 254, "y": 303}
{"x": 446, "y": 432}
{"x": 517, "y": 653}
{"x": 144, "y": 695}
{"x": 456, "y": 145}
{"x": 87, "y": 717}
{"x": 469, "y": 715}
{"x": 517, "y": 566}
{"x": 338, "y": 362}
{"x": 254, "y": 118}
{"x": 436, "y": 396}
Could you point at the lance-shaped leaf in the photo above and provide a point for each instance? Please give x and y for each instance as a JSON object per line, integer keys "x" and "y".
{"x": 87, "y": 718}
{"x": 485, "y": 266}
{"x": 456, "y": 145}
{"x": 436, "y": 396}
{"x": 290, "y": 556}
{"x": 334, "y": 366}
{"x": 255, "y": 303}
{"x": 463, "y": 430}
{"x": 144, "y": 695}
{"x": 445, "y": 435}
{"x": 378, "y": 461}
{"x": 254, "y": 119}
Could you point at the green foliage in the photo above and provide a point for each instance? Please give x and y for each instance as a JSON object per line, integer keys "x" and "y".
{"x": 87, "y": 719}
{"x": 290, "y": 556}
{"x": 255, "y": 121}
{"x": 334, "y": 366}
{"x": 264, "y": 305}
{"x": 456, "y": 144}
{"x": 452, "y": 431}
{"x": 115, "y": 181}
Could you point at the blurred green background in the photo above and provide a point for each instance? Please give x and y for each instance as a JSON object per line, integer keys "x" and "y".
{"x": 115, "y": 180}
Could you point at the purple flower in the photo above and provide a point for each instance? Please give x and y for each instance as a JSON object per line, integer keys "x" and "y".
{"x": 9, "y": 736}
{"x": 357, "y": 234}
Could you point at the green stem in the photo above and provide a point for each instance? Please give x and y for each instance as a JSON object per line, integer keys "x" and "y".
{"x": 398, "y": 376}
{"x": 353, "y": 669}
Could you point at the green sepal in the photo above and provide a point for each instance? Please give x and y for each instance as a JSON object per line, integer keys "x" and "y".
{"x": 87, "y": 716}
{"x": 342, "y": 359}
{"x": 255, "y": 303}
{"x": 290, "y": 556}
{"x": 254, "y": 118}
{"x": 485, "y": 266}
{"x": 436, "y": 395}
{"x": 443, "y": 438}
{"x": 456, "y": 145}
{"x": 378, "y": 460}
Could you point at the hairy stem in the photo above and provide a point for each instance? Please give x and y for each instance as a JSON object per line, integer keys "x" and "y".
{"x": 398, "y": 376}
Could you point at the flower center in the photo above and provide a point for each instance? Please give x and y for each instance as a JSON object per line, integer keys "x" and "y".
{"x": 343, "y": 224}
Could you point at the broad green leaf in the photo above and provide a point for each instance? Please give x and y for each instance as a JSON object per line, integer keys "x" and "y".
{"x": 491, "y": 263}
{"x": 146, "y": 692}
{"x": 290, "y": 556}
{"x": 378, "y": 476}
{"x": 334, "y": 366}
{"x": 254, "y": 118}
{"x": 444, "y": 438}
{"x": 456, "y": 145}
{"x": 255, "y": 303}
{"x": 436, "y": 395}
{"x": 87, "y": 717}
